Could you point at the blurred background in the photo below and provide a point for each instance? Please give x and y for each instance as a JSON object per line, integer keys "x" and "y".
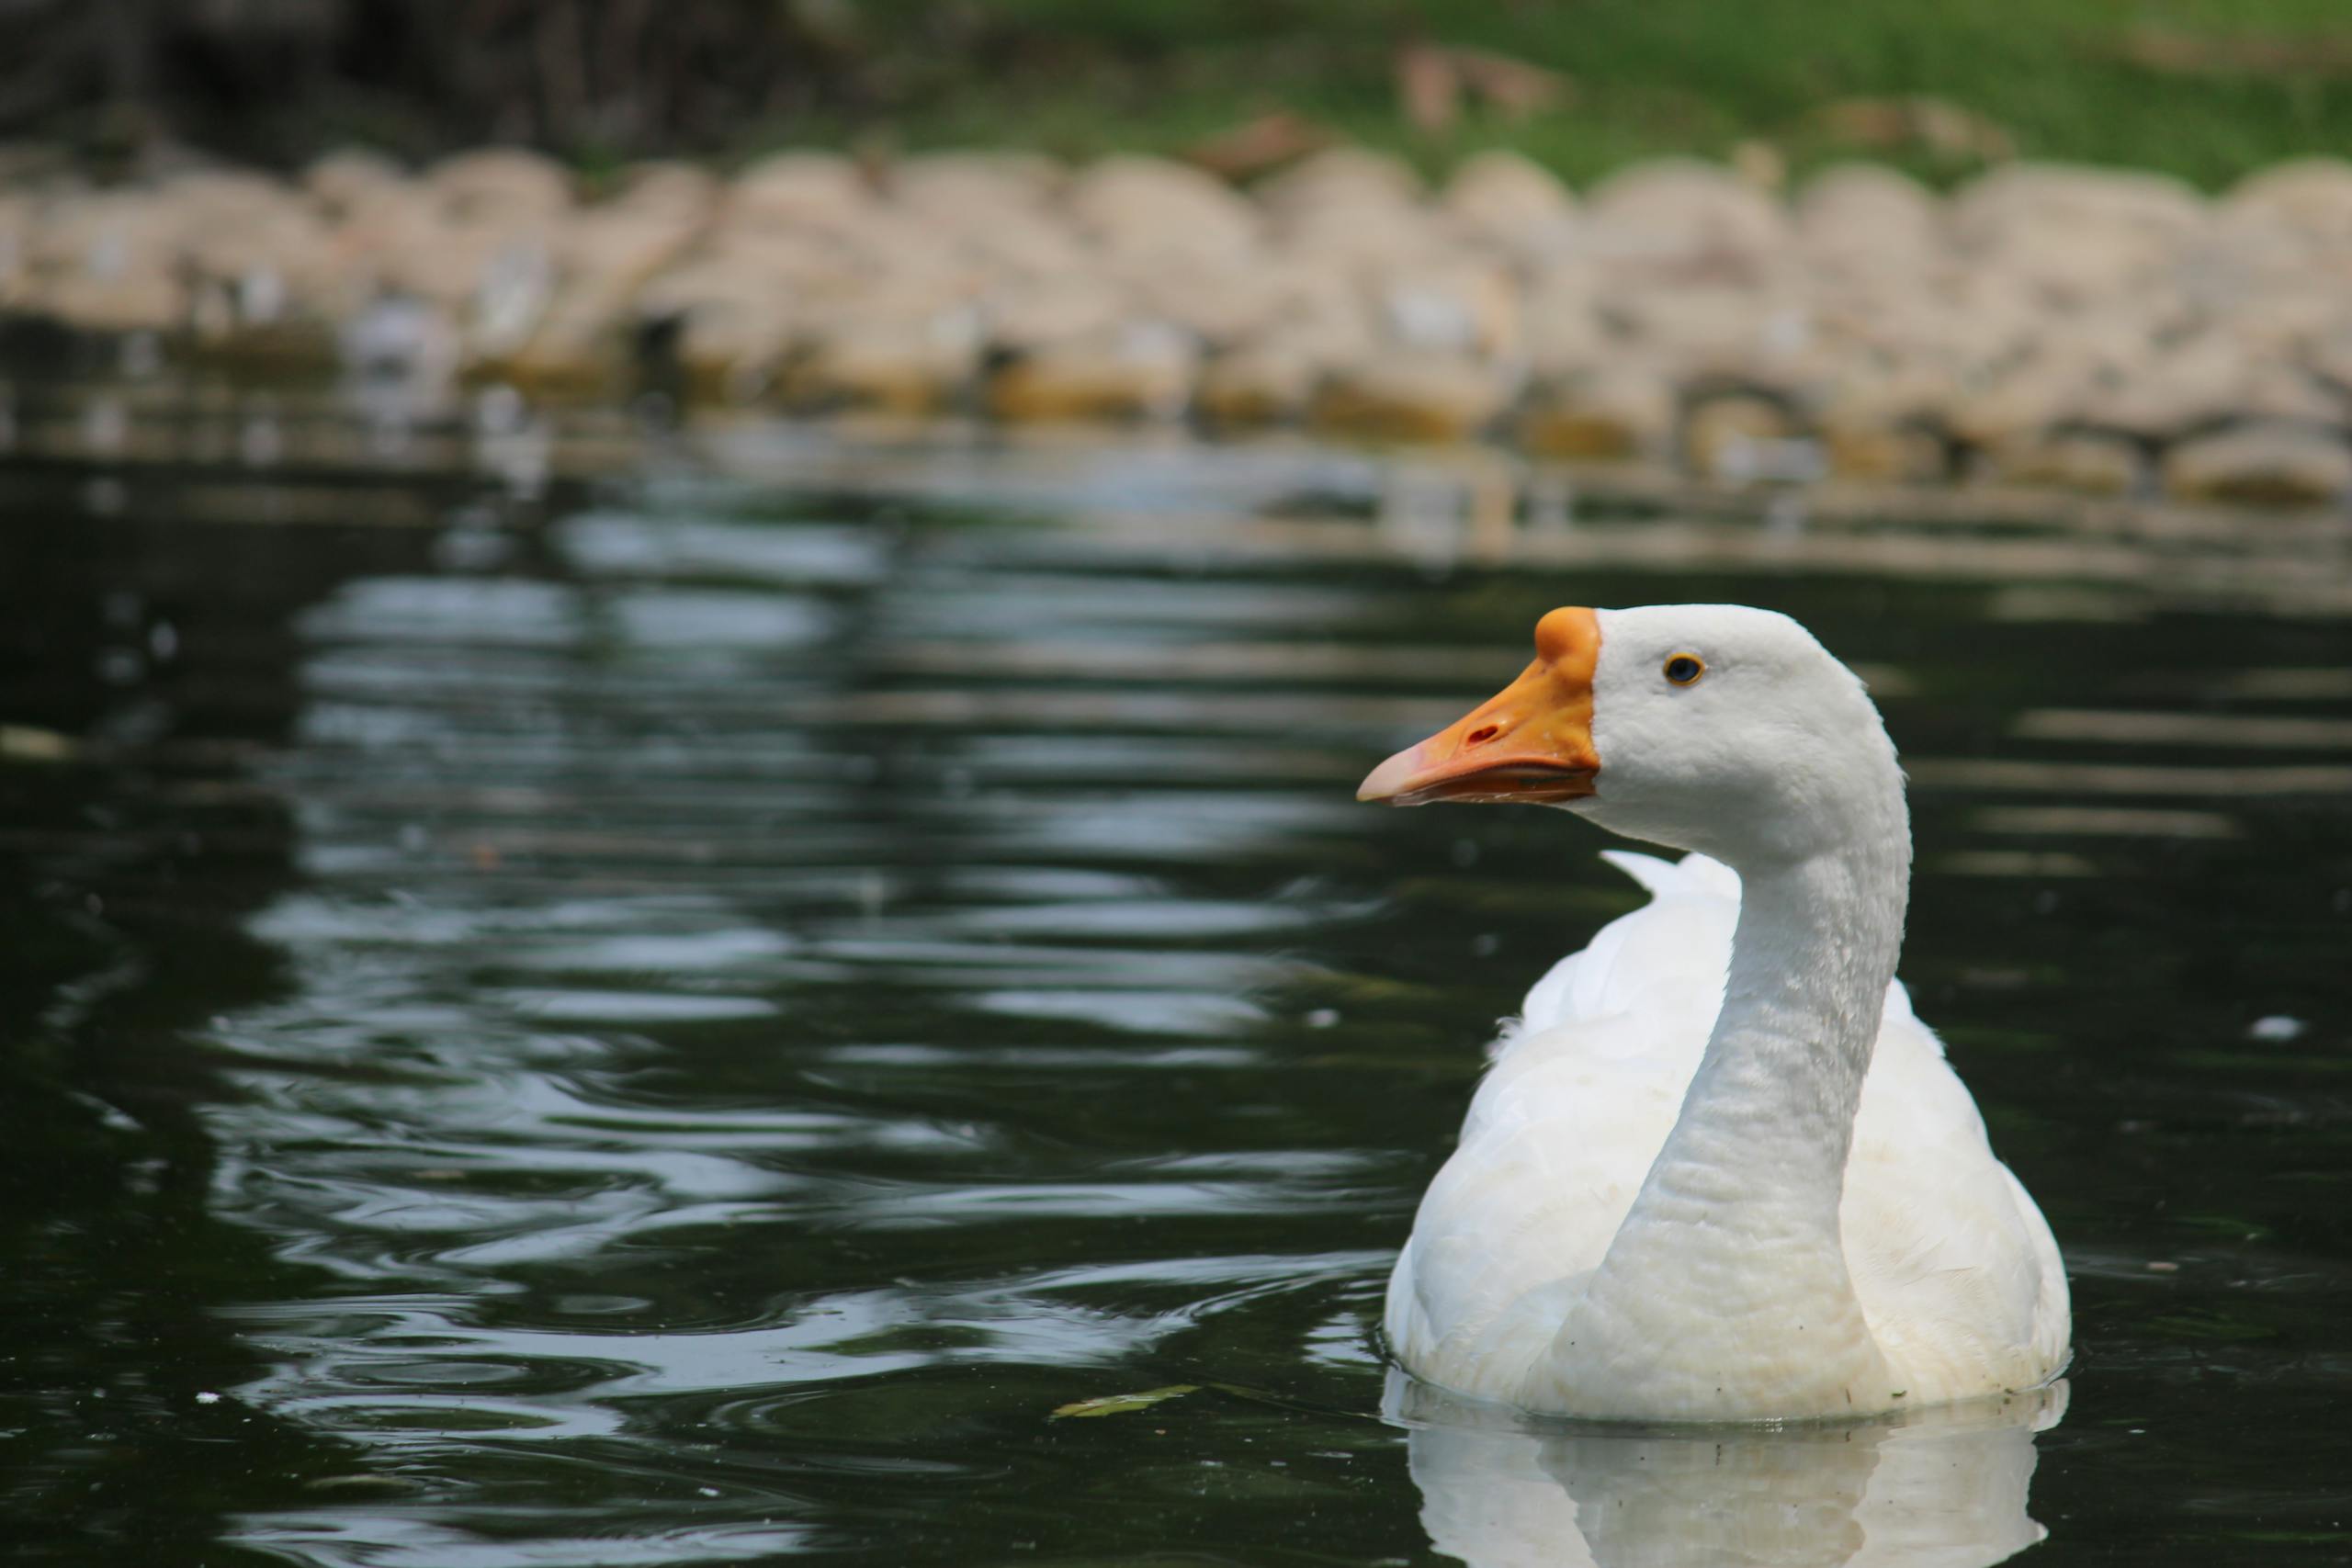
{"x": 2206, "y": 89}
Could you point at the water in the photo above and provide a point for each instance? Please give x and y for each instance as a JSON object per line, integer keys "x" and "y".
{"x": 592, "y": 997}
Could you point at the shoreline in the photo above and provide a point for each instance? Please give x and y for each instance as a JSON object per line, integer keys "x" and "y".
{"x": 2098, "y": 332}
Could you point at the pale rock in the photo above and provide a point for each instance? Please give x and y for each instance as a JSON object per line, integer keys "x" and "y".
{"x": 493, "y": 272}
{"x": 2075, "y": 235}
{"x": 1273, "y": 376}
{"x": 1361, "y": 238}
{"x": 624, "y": 242}
{"x": 2059, "y": 193}
{"x": 2327, "y": 353}
{"x": 2047, "y": 390}
{"x": 577, "y": 346}
{"x": 887, "y": 239}
{"x": 817, "y": 191}
{"x": 1918, "y": 389}
{"x": 1137, "y": 370}
{"x": 668, "y": 189}
{"x": 1880, "y": 420}
{"x": 728, "y": 324}
{"x": 1511, "y": 202}
{"x": 1883, "y": 452}
{"x": 1260, "y": 383}
{"x": 1564, "y": 328}
{"x": 376, "y": 223}
{"x": 2281, "y": 390}
{"x": 106, "y": 262}
{"x": 1465, "y": 307}
{"x": 2285, "y": 325}
{"x": 1036, "y": 245}
{"x": 1684, "y": 216}
{"x": 913, "y": 290}
{"x": 560, "y": 318}
{"x": 140, "y": 300}
{"x": 2250, "y": 256}
{"x": 260, "y": 263}
{"x": 1229, "y": 303}
{"x": 971, "y": 190}
{"x": 2186, "y": 387}
{"x": 1346, "y": 175}
{"x": 799, "y": 263}
{"x": 1979, "y": 325}
{"x": 1131, "y": 203}
{"x": 1859, "y": 216}
{"x": 2073, "y": 263}
{"x": 231, "y": 196}
{"x": 2092, "y": 464}
{"x": 1616, "y": 412}
{"x": 402, "y": 248}
{"x": 511, "y": 298}
{"x": 1413, "y": 397}
{"x": 104, "y": 235}
{"x": 1723, "y": 331}
{"x": 16, "y": 220}
{"x": 1028, "y": 316}
{"x": 501, "y": 187}
{"x": 890, "y": 364}
{"x": 2263, "y": 465}
{"x": 2311, "y": 197}
{"x": 1737, "y": 437}
{"x": 337, "y": 181}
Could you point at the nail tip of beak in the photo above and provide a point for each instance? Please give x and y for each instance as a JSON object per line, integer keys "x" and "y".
{"x": 1386, "y": 782}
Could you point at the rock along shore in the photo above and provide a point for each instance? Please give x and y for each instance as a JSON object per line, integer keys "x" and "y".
{"x": 2093, "y": 329}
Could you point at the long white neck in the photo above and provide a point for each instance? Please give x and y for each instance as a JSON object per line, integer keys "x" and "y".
{"x": 1727, "y": 1285}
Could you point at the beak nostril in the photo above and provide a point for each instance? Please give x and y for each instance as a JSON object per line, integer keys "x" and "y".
{"x": 1481, "y": 735}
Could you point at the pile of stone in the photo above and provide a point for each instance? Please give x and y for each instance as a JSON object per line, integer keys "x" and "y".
{"x": 2092, "y": 329}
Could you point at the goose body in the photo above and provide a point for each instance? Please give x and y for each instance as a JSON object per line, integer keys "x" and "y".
{"x": 1718, "y": 1170}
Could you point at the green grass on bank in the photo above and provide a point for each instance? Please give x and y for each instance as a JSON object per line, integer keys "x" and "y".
{"x": 2206, "y": 89}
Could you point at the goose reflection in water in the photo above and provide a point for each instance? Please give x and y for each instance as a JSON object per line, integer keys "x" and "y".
{"x": 1944, "y": 1486}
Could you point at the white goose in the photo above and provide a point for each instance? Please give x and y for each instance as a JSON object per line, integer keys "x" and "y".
{"x": 1718, "y": 1170}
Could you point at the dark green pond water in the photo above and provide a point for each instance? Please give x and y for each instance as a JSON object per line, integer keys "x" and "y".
{"x": 608, "y": 997}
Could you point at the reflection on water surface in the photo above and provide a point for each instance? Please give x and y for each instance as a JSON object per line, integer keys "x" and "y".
{"x": 1944, "y": 1486}
{"x": 591, "y": 998}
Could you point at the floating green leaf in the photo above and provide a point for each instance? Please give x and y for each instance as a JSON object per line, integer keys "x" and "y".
{"x": 1119, "y": 1403}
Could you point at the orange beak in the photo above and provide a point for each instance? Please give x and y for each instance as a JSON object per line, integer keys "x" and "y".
{"x": 1530, "y": 742}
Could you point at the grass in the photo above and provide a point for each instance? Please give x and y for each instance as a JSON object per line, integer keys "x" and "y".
{"x": 2205, "y": 89}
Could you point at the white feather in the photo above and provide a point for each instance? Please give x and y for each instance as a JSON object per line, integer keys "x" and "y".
{"x": 1957, "y": 1276}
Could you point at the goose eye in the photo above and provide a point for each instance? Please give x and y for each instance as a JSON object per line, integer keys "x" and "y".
{"x": 1685, "y": 668}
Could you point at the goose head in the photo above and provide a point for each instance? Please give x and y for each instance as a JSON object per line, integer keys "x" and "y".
{"x": 1716, "y": 727}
